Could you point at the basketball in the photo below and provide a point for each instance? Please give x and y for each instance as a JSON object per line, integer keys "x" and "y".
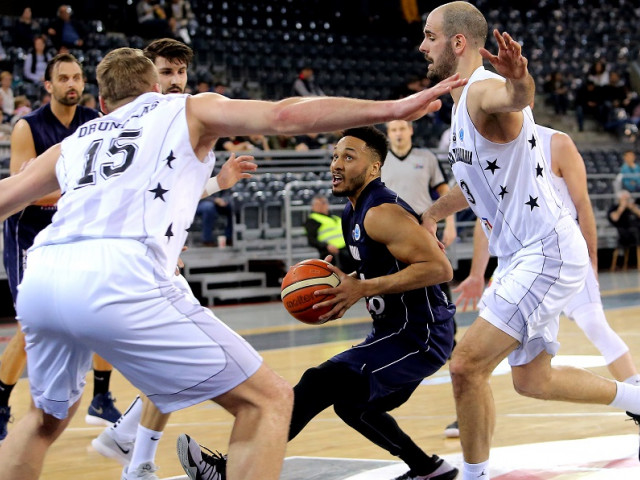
{"x": 299, "y": 285}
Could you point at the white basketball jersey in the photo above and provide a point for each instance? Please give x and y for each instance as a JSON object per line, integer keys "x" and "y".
{"x": 411, "y": 177}
{"x": 507, "y": 185}
{"x": 546, "y": 134}
{"x": 131, "y": 174}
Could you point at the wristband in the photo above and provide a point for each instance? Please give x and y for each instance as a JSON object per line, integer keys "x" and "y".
{"x": 212, "y": 186}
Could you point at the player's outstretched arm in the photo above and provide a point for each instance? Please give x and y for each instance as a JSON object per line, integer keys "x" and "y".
{"x": 213, "y": 116}
{"x": 35, "y": 181}
{"x": 518, "y": 91}
{"x": 453, "y": 201}
{"x": 400, "y": 232}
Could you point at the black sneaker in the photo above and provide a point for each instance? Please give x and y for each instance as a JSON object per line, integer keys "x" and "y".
{"x": 199, "y": 465}
{"x": 443, "y": 471}
{"x": 636, "y": 419}
{"x": 5, "y": 418}
{"x": 102, "y": 411}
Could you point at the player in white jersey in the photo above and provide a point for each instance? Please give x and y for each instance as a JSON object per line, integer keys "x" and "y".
{"x": 131, "y": 181}
{"x": 122, "y": 441}
{"x": 569, "y": 177}
{"x": 501, "y": 174}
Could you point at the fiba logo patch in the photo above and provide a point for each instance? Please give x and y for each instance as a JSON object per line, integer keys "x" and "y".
{"x": 461, "y": 135}
{"x": 356, "y": 232}
{"x": 375, "y": 305}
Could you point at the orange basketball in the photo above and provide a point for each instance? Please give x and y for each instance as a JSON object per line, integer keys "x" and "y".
{"x": 299, "y": 284}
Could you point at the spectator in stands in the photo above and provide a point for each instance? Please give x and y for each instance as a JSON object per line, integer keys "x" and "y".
{"x": 411, "y": 86}
{"x": 222, "y": 89}
{"x": 305, "y": 85}
{"x": 282, "y": 142}
{"x": 625, "y": 216}
{"x": 65, "y": 32}
{"x": 181, "y": 17}
{"x": 203, "y": 86}
{"x": 259, "y": 142}
{"x": 25, "y": 29}
{"x": 630, "y": 172}
{"x": 7, "y": 100}
{"x": 324, "y": 232}
{"x": 22, "y": 106}
{"x": 152, "y": 19}
{"x": 234, "y": 144}
{"x": 35, "y": 63}
{"x": 4, "y": 63}
{"x": 209, "y": 209}
{"x": 557, "y": 89}
{"x": 589, "y": 102}
{"x": 311, "y": 141}
{"x": 599, "y": 73}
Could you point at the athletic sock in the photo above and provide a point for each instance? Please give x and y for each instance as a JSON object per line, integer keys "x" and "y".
{"x": 101, "y": 379}
{"x": 475, "y": 471}
{"x": 145, "y": 447}
{"x": 125, "y": 429}
{"x": 633, "y": 379}
{"x": 5, "y": 393}
{"x": 627, "y": 397}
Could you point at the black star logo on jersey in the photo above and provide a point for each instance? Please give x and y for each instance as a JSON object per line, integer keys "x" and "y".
{"x": 503, "y": 192}
{"x": 539, "y": 170}
{"x": 532, "y": 142}
{"x": 170, "y": 159}
{"x": 159, "y": 192}
{"x": 492, "y": 166}
{"x": 533, "y": 202}
{"x": 169, "y": 233}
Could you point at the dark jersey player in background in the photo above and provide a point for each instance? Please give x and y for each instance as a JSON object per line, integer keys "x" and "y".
{"x": 33, "y": 135}
{"x": 399, "y": 269}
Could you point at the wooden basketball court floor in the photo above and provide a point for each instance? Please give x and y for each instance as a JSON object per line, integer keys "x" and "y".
{"x": 534, "y": 440}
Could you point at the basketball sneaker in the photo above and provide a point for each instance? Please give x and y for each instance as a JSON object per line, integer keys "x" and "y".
{"x": 199, "y": 465}
{"x": 102, "y": 411}
{"x": 443, "y": 471}
{"x": 5, "y": 418}
{"x": 145, "y": 471}
{"x": 452, "y": 430}
{"x": 106, "y": 445}
{"x": 636, "y": 419}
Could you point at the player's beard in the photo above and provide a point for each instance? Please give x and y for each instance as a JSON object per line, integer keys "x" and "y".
{"x": 352, "y": 187}
{"x": 173, "y": 88}
{"x": 70, "y": 102}
{"x": 445, "y": 67}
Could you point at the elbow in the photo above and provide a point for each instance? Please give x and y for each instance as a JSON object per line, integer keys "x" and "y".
{"x": 446, "y": 272}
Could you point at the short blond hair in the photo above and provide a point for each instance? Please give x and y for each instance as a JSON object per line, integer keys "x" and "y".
{"x": 125, "y": 73}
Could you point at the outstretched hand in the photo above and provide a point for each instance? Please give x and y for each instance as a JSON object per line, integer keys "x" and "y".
{"x": 234, "y": 169}
{"x": 470, "y": 290}
{"x": 509, "y": 62}
{"x": 427, "y": 101}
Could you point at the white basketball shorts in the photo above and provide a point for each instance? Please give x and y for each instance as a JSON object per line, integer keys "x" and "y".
{"x": 107, "y": 296}
{"x": 531, "y": 288}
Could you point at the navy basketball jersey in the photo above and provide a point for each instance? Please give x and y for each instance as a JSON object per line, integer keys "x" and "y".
{"x": 412, "y": 311}
{"x": 21, "y": 228}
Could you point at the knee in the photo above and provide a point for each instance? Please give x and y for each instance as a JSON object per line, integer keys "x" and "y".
{"x": 532, "y": 386}
{"x": 466, "y": 371}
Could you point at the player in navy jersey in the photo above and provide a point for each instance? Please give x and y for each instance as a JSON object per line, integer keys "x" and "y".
{"x": 32, "y": 136}
{"x": 399, "y": 267}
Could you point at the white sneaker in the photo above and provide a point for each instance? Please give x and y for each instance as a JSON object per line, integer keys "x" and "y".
{"x": 145, "y": 471}
{"x": 107, "y": 446}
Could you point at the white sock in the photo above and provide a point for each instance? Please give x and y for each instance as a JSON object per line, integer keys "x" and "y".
{"x": 475, "y": 471}
{"x": 125, "y": 428}
{"x": 627, "y": 397}
{"x": 145, "y": 447}
{"x": 633, "y": 379}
